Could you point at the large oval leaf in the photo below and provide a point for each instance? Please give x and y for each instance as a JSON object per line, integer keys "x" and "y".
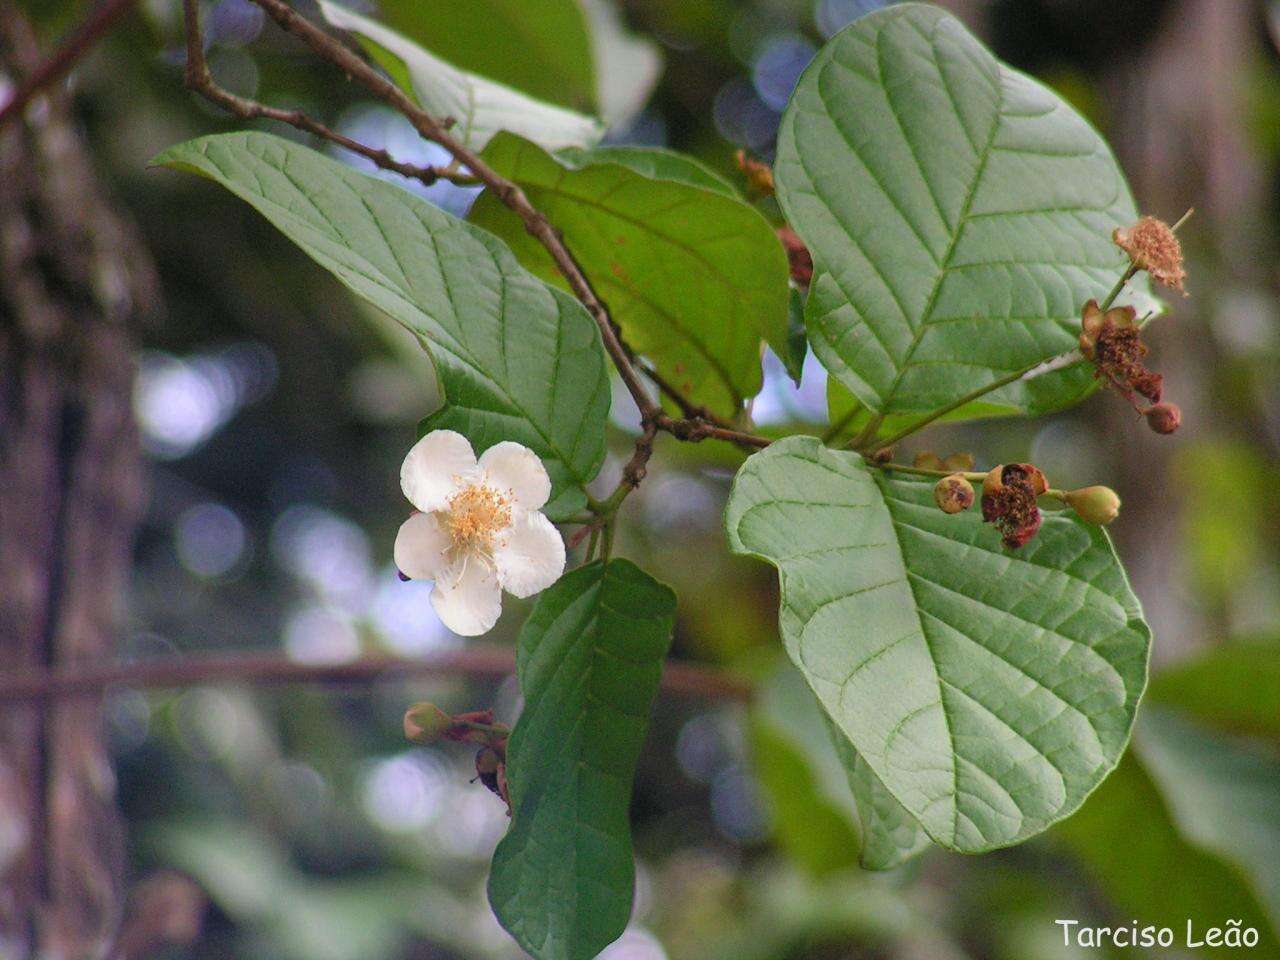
{"x": 989, "y": 691}
{"x": 959, "y": 215}
{"x": 516, "y": 359}
{"x": 695, "y": 277}
{"x": 588, "y": 659}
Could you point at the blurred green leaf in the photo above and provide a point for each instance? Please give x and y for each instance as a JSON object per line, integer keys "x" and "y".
{"x": 588, "y": 660}
{"x": 516, "y": 360}
{"x": 1220, "y": 484}
{"x": 694, "y": 276}
{"x": 1223, "y": 792}
{"x": 804, "y": 785}
{"x": 479, "y": 106}
{"x": 542, "y": 47}
{"x": 1235, "y": 686}
{"x": 989, "y": 690}
{"x": 958, "y": 212}
{"x": 1150, "y": 868}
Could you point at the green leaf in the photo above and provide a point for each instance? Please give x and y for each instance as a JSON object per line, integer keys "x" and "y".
{"x": 959, "y": 215}
{"x": 588, "y": 661}
{"x": 1223, "y": 793}
{"x": 1233, "y": 686}
{"x": 989, "y": 690}
{"x": 1150, "y": 869}
{"x": 542, "y": 47}
{"x": 516, "y": 359}
{"x": 632, "y": 64}
{"x": 480, "y": 107}
{"x": 694, "y": 276}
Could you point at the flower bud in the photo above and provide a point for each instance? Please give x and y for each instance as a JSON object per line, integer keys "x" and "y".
{"x": 426, "y": 723}
{"x": 883, "y": 455}
{"x": 1163, "y": 417}
{"x": 1098, "y": 505}
{"x": 927, "y": 460}
{"x": 953, "y": 494}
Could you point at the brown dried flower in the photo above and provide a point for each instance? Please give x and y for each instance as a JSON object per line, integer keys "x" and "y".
{"x": 1113, "y": 341}
{"x": 1009, "y": 495}
{"x": 1153, "y": 246}
{"x": 758, "y": 174}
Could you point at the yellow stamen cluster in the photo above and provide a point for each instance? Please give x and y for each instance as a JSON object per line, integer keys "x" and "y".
{"x": 476, "y": 515}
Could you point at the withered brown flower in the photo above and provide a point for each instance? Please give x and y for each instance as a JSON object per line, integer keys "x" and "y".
{"x": 1153, "y": 246}
{"x": 1009, "y": 495}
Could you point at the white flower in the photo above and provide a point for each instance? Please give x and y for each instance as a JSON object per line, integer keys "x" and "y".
{"x": 479, "y": 530}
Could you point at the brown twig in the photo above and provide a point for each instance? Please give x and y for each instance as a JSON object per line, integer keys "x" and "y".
{"x": 199, "y": 79}
{"x": 69, "y": 52}
{"x": 476, "y": 660}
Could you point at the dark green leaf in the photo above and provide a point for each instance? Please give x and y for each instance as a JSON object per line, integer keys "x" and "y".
{"x": 695, "y": 277}
{"x": 516, "y": 359}
{"x": 588, "y": 659}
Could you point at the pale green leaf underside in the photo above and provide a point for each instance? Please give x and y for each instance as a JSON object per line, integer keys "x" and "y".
{"x": 588, "y": 660}
{"x": 479, "y": 106}
{"x": 958, "y": 212}
{"x": 694, "y": 276}
{"x": 890, "y": 835}
{"x": 988, "y": 690}
{"x": 516, "y": 359}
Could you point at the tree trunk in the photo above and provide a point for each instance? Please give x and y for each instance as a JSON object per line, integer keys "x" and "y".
{"x": 73, "y": 281}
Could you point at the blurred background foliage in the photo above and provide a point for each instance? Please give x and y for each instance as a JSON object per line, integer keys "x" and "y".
{"x": 275, "y": 411}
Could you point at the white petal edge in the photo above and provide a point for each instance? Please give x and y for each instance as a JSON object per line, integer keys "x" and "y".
{"x": 512, "y": 466}
{"x": 435, "y": 468}
{"x": 421, "y": 545}
{"x": 467, "y": 598}
{"x": 531, "y": 557}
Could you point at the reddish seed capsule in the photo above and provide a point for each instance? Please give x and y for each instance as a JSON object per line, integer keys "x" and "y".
{"x": 1163, "y": 417}
{"x": 953, "y": 494}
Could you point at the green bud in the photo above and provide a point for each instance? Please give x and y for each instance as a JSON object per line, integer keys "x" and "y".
{"x": 1098, "y": 505}
{"x": 953, "y": 494}
{"x": 426, "y": 723}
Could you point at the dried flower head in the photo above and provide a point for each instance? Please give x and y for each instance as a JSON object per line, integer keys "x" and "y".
{"x": 1113, "y": 341}
{"x": 1153, "y": 246}
{"x": 797, "y": 256}
{"x": 758, "y": 174}
{"x": 1009, "y": 495}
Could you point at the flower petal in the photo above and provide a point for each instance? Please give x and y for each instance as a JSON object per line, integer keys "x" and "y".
{"x": 531, "y": 556}
{"x": 421, "y": 547}
{"x": 513, "y": 466}
{"x": 432, "y": 470}
{"x": 467, "y": 598}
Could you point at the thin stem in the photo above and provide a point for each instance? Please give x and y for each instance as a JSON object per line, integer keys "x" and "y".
{"x": 198, "y": 79}
{"x": 868, "y": 432}
{"x": 955, "y": 405}
{"x": 1120, "y": 285}
{"x": 926, "y": 472}
{"x": 835, "y": 429}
